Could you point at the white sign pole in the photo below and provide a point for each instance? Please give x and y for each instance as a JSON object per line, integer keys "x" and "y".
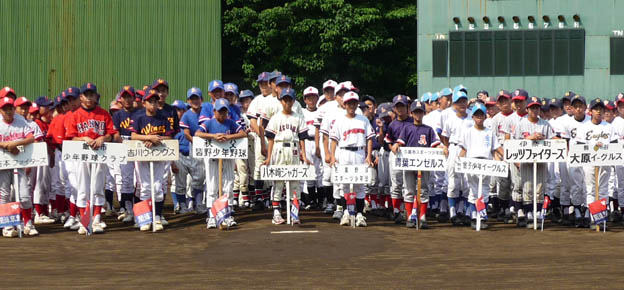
{"x": 288, "y": 220}
{"x": 479, "y": 195}
{"x": 91, "y": 191}
{"x": 534, "y": 195}
{"x": 352, "y": 218}
{"x": 17, "y": 198}
{"x": 151, "y": 163}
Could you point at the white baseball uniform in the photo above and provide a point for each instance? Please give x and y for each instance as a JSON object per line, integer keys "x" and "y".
{"x": 576, "y": 175}
{"x": 618, "y": 125}
{"x": 17, "y": 130}
{"x": 478, "y": 144}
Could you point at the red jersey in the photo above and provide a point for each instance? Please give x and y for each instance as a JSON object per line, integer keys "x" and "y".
{"x": 56, "y": 130}
{"x": 89, "y": 123}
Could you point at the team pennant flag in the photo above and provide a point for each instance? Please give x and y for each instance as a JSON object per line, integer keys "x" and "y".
{"x": 481, "y": 208}
{"x": 220, "y": 209}
{"x": 10, "y": 214}
{"x": 598, "y": 210}
{"x": 85, "y": 220}
{"x": 294, "y": 208}
{"x": 545, "y": 206}
{"x": 350, "y": 198}
{"x": 143, "y": 212}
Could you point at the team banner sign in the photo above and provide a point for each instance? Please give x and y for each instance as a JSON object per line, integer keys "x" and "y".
{"x": 167, "y": 150}
{"x": 540, "y": 151}
{"x": 419, "y": 158}
{"x": 485, "y": 167}
{"x": 10, "y": 214}
{"x": 287, "y": 172}
{"x": 143, "y": 212}
{"x": 108, "y": 153}
{"x": 352, "y": 174}
{"x": 31, "y": 155}
{"x": 211, "y": 149}
{"x": 611, "y": 154}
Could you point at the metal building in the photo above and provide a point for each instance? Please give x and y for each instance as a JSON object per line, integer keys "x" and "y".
{"x": 46, "y": 46}
{"x": 544, "y": 46}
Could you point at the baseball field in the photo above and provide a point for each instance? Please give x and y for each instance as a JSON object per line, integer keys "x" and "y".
{"x": 256, "y": 255}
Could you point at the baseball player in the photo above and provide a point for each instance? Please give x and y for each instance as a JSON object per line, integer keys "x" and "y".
{"x": 383, "y": 165}
{"x": 531, "y": 128}
{"x": 42, "y": 187}
{"x": 479, "y": 142}
{"x": 180, "y": 203}
{"x": 245, "y": 167}
{"x": 15, "y": 132}
{"x": 310, "y": 98}
{"x": 596, "y": 133}
{"x": 93, "y": 125}
{"x": 353, "y": 134}
{"x": 369, "y": 109}
{"x": 220, "y": 129}
{"x": 558, "y": 179}
{"x": 187, "y": 165}
{"x": 322, "y": 143}
{"x": 253, "y": 114}
{"x": 124, "y": 177}
{"x": 151, "y": 127}
{"x": 618, "y": 124}
{"x": 56, "y": 133}
{"x": 286, "y": 133}
{"x": 418, "y": 135}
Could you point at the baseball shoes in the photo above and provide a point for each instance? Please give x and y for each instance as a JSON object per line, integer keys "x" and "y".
{"x": 163, "y": 221}
{"x": 246, "y": 204}
{"x": 615, "y": 216}
{"x": 338, "y": 213}
{"x": 158, "y": 226}
{"x": 424, "y": 225}
{"x": 145, "y": 228}
{"x": 456, "y": 220}
{"x": 122, "y": 214}
{"x": 184, "y": 209}
{"x": 82, "y": 230}
{"x": 98, "y": 228}
{"x": 345, "y": 219}
{"x": 398, "y": 218}
{"x": 586, "y": 222}
{"x": 443, "y": 217}
{"x": 500, "y": 216}
{"x": 529, "y": 224}
{"x": 43, "y": 219}
{"x": 578, "y": 222}
{"x": 109, "y": 210}
{"x": 367, "y": 206}
{"x": 257, "y": 206}
{"x": 360, "y": 220}
{"x": 277, "y": 219}
{"x": 176, "y": 209}
{"x": 103, "y": 224}
{"x": 76, "y": 225}
{"x": 466, "y": 220}
{"x": 522, "y": 220}
{"x": 63, "y": 218}
{"x": 69, "y": 222}
{"x": 509, "y": 217}
{"x": 296, "y": 222}
{"x": 567, "y": 220}
{"x": 9, "y": 232}
{"x": 128, "y": 218}
{"x": 201, "y": 209}
{"x": 29, "y": 229}
{"x": 329, "y": 209}
{"x": 410, "y": 223}
{"x": 229, "y": 222}
{"x": 235, "y": 203}
{"x": 211, "y": 223}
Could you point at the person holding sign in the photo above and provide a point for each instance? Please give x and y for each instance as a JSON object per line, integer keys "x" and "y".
{"x": 220, "y": 129}
{"x": 596, "y": 133}
{"x": 479, "y": 142}
{"x": 15, "y": 132}
{"x": 151, "y": 127}
{"x": 286, "y": 133}
{"x": 416, "y": 135}
{"x": 122, "y": 120}
{"x": 353, "y": 134}
{"x": 618, "y": 124}
{"x": 531, "y": 128}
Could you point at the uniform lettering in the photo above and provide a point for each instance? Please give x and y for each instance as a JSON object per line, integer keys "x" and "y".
{"x": 288, "y": 127}
{"x": 151, "y": 129}
{"x": 98, "y": 127}
{"x": 601, "y": 135}
{"x": 352, "y": 131}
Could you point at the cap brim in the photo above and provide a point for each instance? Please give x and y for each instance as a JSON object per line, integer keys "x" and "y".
{"x": 534, "y": 104}
{"x": 519, "y": 98}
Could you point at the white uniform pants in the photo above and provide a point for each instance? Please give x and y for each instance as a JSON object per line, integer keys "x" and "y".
{"x": 411, "y": 186}
{"x": 56, "y": 183}
{"x": 212, "y": 180}
{"x": 193, "y": 167}
{"x": 83, "y": 175}
{"x": 577, "y": 185}
{"x": 146, "y": 183}
{"x": 42, "y": 193}
{"x": 604, "y": 173}
{"x": 473, "y": 183}
{"x": 6, "y": 180}
{"x": 284, "y": 155}
{"x": 457, "y": 182}
{"x": 564, "y": 185}
{"x": 396, "y": 180}
{"x": 383, "y": 172}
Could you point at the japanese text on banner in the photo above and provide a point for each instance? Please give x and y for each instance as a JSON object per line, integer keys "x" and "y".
{"x": 352, "y": 174}
{"x": 591, "y": 155}
{"x": 287, "y": 172}
{"x": 541, "y": 151}
{"x": 482, "y": 167}
{"x": 31, "y": 155}
{"x": 419, "y": 158}
{"x": 108, "y": 153}
{"x": 211, "y": 149}
{"x": 168, "y": 150}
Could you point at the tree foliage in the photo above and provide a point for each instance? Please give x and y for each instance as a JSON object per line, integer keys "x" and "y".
{"x": 372, "y": 43}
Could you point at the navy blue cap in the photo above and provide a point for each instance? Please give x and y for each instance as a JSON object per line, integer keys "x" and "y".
{"x": 568, "y": 95}
{"x": 534, "y": 101}
{"x": 597, "y": 102}
{"x": 609, "y": 104}
{"x": 363, "y": 106}
{"x": 274, "y": 75}
{"x": 503, "y": 94}
{"x": 246, "y": 94}
{"x": 231, "y": 88}
{"x": 222, "y": 103}
{"x": 149, "y": 93}
{"x": 263, "y": 77}
{"x": 555, "y": 103}
{"x": 417, "y": 105}
{"x": 287, "y": 92}
{"x": 159, "y": 82}
{"x": 179, "y": 104}
{"x": 194, "y": 91}
{"x": 215, "y": 84}
{"x": 127, "y": 89}
{"x": 619, "y": 98}
{"x": 43, "y": 101}
{"x": 283, "y": 79}
{"x": 384, "y": 110}
{"x": 369, "y": 97}
{"x": 88, "y": 87}
{"x": 483, "y": 92}
{"x": 520, "y": 94}
{"x": 400, "y": 99}
{"x": 578, "y": 98}
{"x": 71, "y": 92}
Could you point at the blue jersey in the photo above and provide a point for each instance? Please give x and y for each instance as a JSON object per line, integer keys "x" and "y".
{"x": 171, "y": 114}
{"x": 190, "y": 120}
{"x": 122, "y": 120}
{"x": 418, "y": 136}
{"x": 152, "y": 125}
{"x": 376, "y": 145}
{"x": 207, "y": 112}
{"x": 213, "y": 126}
{"x": 184, "y": 145}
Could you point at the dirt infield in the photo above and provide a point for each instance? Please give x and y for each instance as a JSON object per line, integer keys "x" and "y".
{"x": 384, "y": 255}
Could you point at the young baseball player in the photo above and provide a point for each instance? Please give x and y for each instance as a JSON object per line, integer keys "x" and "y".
{"x": 558, "y": 178}
{"x": 595, "y": 133}
{"x": 353, "y": 134}
{"x": 369, "y": 109}
{"x": 13, "y": 133}
{"x": 122, "y": 121}
{"x": 618, "y": 124}
{"x": 42, "y": 187}
{"x": 286, "y": 133}
{"x": 151, "y": 127}
{"x": 93, "y": 125}
{"x": 383, "y": 165}
{"x": 479, "y": 142}
{"x": 321, "y": 140}
{"x": 253, "y": 114}
{"x": 418, "y": 135}
{"x": 56, "y": 133}
{"x": 245, "y": 167}
{"x": 187, "y": 165}
{"x": 531, "y": 128}
{"x": 310, "y": 98}
{"x": 180, "y": 202}
{"x": 220, "y": 129}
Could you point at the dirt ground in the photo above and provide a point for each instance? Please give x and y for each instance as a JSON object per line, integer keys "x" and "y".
{"x": 383, "y": 255}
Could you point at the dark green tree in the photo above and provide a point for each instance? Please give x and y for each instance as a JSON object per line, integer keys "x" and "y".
{"x": 372, "y": 43}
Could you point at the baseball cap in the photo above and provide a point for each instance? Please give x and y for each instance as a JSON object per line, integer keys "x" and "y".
{"x": 545, "y": 105}
{"x": 363, "y": 106}
{"x": 274, "y": 75}
{"x": 6, "y": 101}
{"x": 446, "y": 92}
{"x": 159, "y": 82}
{"x": 139, "y": 94}
{"x": 568, "y": 95}
{"x": 346, "y": 85}
{"x": 283, "y": 79}
{"x": 34, "y": 108}
{"x": 478, "y": 107}
{"x": 609, "y": 104}
{"x": 5, "y": 91}
{"x": 434, "y": 97}
{"x": 383, "y": 110}
{"x": 400, "y": 99}
{"x": 503, "y": 94}
{"x": 149, "y": 93}
{"x": 459, "y": 95}
{"x": 310, "y": 91}
{"x": 128, "y": 90}
{"x": 21, "y": 101}
{"x": 329, "y": 84}
{"x": 460, "y": 88}
{"x": 350, "y": 96}
{"x": 426, "y": 97}
{"x": 520, "y": 94}
{"x": 43, "y": 101}
{"x": 555, "y": 103}
{"x": 287, "y": 92}
{"x": 534, "y": 101}
{"x": 619, "y": 98}
{"x": 88, "y": 87}
{"x": 214, "y": 85}
{"x": 369, "y": 98}
{"x": 578, "y": 98}
{"x": 320, "y": 100}
{"x": 597, "y": 102}
{"x": 231, "y": 88}
{"x": 491, "y": 101}
{"x": 417, "y": 105}
{"x": 179, "y": 104}
{"x": 483, "y": 92}
{"x": 263, "y": 77}
{"x": 194, "y": 91}
{"x": 246, "y": 94}
{"x": 221, "y": 104}
{"x": 72, "y": 92}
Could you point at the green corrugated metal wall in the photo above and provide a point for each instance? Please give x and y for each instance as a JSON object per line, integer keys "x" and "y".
{"x": 47, "y": 46}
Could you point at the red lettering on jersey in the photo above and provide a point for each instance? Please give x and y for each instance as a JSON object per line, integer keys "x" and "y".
{"x": 352, "y": 131}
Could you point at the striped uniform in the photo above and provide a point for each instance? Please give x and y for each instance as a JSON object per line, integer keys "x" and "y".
{"x": 576, "y": 175}
{"x": 509, "y": 126}
{"x": 310, "y": 118}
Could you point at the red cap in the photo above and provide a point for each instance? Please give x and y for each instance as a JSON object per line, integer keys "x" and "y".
{"x": 33, "y": 108}
{"x": 22, "y": 100}
{"x": 6, "y": 101}
{"x": 5, "y": 91}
